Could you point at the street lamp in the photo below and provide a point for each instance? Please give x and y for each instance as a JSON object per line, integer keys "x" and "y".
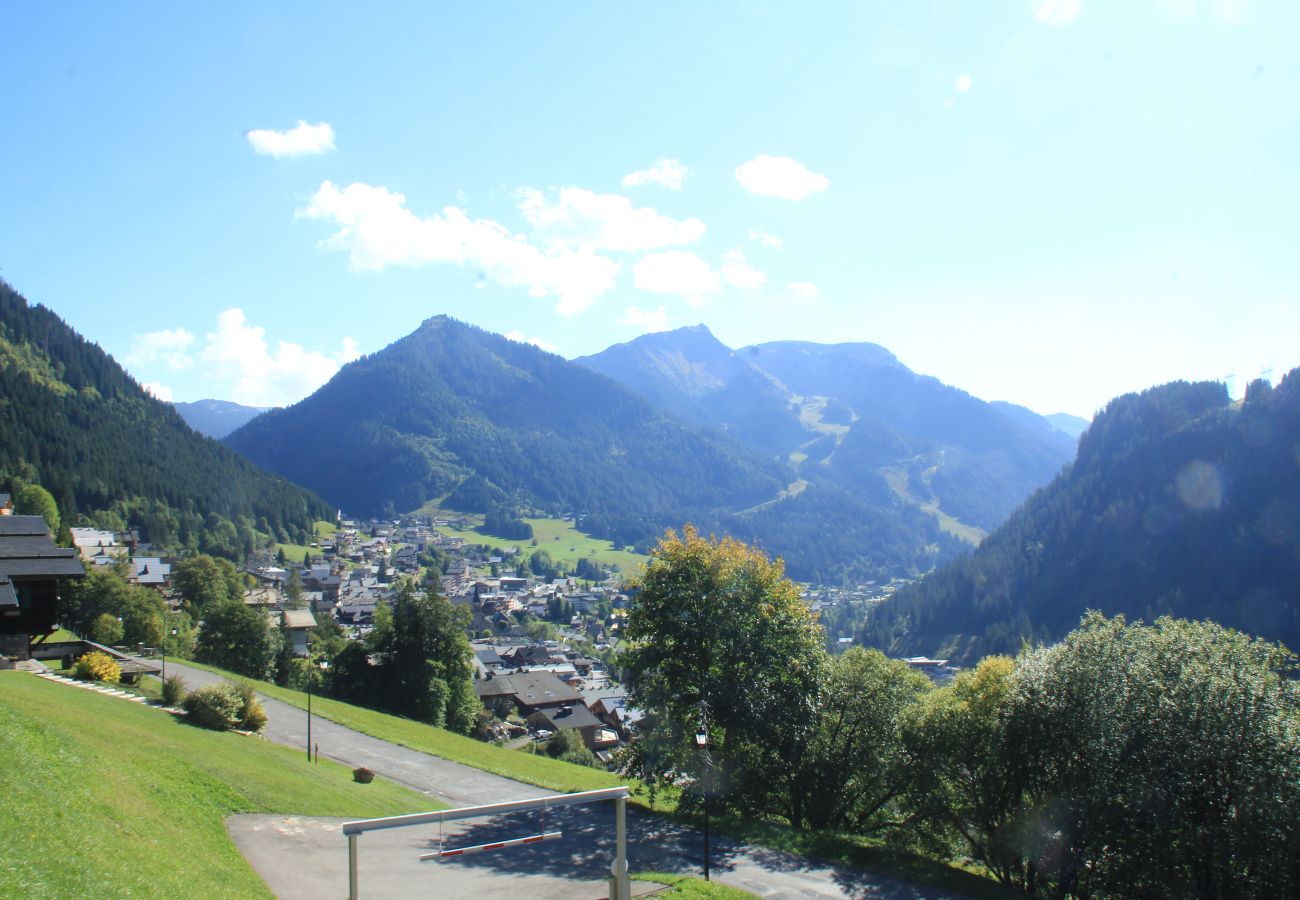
{"x": 706, "y": 769}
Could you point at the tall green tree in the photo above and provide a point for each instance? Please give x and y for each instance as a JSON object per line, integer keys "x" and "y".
{"x": 203, "y": 581}
{"x": 852, "y": 772}
{"x": 237, "y": 637}
{"x": 1159, "y": 761}
{"x": 716, "y": 630}
{"x": 426, "y": 661}
{"x": 34, "y": 500}
{"x": 967, "y": 783}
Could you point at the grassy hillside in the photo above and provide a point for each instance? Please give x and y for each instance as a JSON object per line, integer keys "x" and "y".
{"x": 557, "y": 537}
{"x": 108, "y": 798}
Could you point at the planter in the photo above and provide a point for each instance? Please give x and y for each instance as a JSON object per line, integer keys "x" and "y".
{"x": 363, "y": 775}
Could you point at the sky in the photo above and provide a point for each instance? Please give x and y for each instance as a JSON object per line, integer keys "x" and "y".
{"x": 1050, "y": 202}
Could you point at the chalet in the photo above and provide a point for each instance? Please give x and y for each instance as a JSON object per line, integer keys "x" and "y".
{"x": 150, "y": 571}
{"x": 98, "y": 547}
{"x": 6, "y": 505}
{"x": 30, "y": 569}
{"x": 525, "y": 691}
{"x": 577, "y": 717}
{"x": 299, "y": 623}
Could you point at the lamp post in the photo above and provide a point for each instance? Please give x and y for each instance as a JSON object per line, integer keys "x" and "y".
{"x": 706, "y": 770}
{"x": 164, "y": 656}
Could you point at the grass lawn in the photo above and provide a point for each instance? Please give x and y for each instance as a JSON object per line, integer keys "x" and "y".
{"x": 106, "y": 798}
{"x": 557, "y": 537}
{"x": 296, "y": 552}
{"x": 689, "y": 888}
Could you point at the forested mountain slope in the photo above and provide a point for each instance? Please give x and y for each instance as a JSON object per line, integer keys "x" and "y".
{"x": 1180, "y": 503}
{"x": 72, "y": 420}
{"x": 485, "y": 424}
{"x": 853, "y": 416}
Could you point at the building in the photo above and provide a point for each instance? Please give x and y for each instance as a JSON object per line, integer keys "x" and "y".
{"x": 30, "y": 570}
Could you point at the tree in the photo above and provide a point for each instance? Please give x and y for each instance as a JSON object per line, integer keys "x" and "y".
{"x": 34, "y": 500}
{"x": 716, "y": 628}
{"x": 236, "y": 637}
{"x": 284, "y": 655}
{"x": 204, "y": 581}
{"x": 106, "y": 629}
{"x": 426, "y": 665}
{"x": 967, "y": 783}
{"x": 852, "y": 772}
{"x": 293, "y": 591}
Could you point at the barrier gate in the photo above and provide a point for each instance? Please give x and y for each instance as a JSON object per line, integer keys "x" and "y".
{"x": 620, "y": 884}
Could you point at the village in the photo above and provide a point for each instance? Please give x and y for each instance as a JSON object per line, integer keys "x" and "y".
{"x": 543, "y": 644}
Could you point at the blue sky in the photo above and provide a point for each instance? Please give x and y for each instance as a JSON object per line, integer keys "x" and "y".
{"x": 1045, "y": 201}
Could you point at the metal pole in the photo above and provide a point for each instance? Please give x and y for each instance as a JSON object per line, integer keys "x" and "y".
{"x": 621, "y": 880}
{"x": 308, "y": 721}
{"x": 353, "y": 893}
{"x": 706, "y": 832}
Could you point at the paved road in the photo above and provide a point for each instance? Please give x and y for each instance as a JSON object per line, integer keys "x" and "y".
{"x": 279, "y": 846}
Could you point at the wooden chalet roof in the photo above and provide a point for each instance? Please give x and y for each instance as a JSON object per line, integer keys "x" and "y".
{"x": 26, "y": 551}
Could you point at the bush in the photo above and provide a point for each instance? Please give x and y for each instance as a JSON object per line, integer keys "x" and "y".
{"x": 216, "y": 706}
{"x": 254, "y": 715}
{"x": 97, "y": 666}
{"x": 173, "y": 690}
{"x": 224, "y": 706}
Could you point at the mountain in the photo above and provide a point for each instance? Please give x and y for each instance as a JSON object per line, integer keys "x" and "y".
{"x": 75, "y": 422}
{"x": 693, "y": 375}
{"x": 853, "y": 416}
{"x": 1180, "y": 502}
{"x": 484, "y": 424}
{"x": 1071, "y": 425}
{"x": 217, "y": 418}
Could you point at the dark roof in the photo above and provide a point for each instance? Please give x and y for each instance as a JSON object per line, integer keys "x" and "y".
{"x": 7, "y": 595}
{"x": 576, "y": 716}
{"x": 23, "y": 525}
{"x": 529, "y": 688}
{"x": 26, "y": 550}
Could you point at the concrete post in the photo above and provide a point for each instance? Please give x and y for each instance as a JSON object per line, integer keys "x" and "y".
{"x": 352, "y": 867}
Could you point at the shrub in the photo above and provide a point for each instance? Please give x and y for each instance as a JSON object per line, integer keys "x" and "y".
{"x": 224, "y": 706}
{"x": 218, "y": 706}
{"x": 173, "y": 690}
{"x": 254, "y": 715}
{"x": 97, "y": 666}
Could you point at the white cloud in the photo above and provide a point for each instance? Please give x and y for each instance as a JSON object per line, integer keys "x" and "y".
{"x": 583, "y": 219}
{"x": 238, "y": 357}
{"x": 963, "y": 83}
{"x": 764, "y": 238}
{"x": 376, "y": 230}
{"x": 805, "y": 289}
{"x": 301, "y": 140}
{"x": 648, "y": 320}
{"x": 169, "y": 346}
{"x": 158, "y": 390}
{"x": 349, "y": 352}
{"x": 739, "y": 273}
{"x": 237, "y": 362}
{"x": 518, "y": 337}
{"x": 779, "y": 176}
{"x": 668, "y": 172}
{"x": 677, "y": 272}
{"x": 1057, "y": 12}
